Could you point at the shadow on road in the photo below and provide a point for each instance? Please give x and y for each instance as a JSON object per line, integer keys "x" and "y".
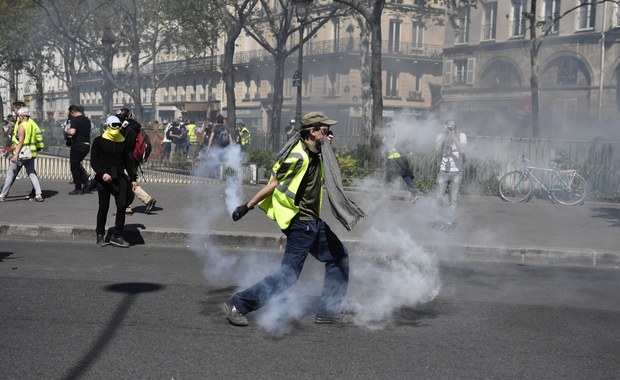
{"x": 609, "y": 213}
{"x": 4, "y": 255}
{"x": 131, "y": 291}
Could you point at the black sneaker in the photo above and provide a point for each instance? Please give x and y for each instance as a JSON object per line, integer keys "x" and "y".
{"x": 119, "y": 241}
{"x": 75, "y": 192}
{"x": 334, "y": 319}
{"x": 150, "y": 205}
{"x": 233, "y": 315}
{"x": 101, "y": 240}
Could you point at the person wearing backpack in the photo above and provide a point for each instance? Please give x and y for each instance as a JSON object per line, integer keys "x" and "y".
{"x": 220, "y": 135}
{"x": 140, "y": 145}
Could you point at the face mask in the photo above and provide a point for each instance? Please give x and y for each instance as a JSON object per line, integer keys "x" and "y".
{"x": 113, "y": 135}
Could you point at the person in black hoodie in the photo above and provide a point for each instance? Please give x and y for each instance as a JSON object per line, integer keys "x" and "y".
{"x": 131, "y": 130}
{"x": 110, "y": 157}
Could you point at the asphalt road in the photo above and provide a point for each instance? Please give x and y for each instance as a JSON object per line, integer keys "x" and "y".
{"x": 73, "y": 310}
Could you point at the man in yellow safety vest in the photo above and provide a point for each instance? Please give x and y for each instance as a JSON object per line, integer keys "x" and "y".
{"x": 293, "y": 199}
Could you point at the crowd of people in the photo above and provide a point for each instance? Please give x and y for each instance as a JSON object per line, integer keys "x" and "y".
{"x": 22, "y": 140}
{"x": 184, "y": 140}
{"x": 112, "y": 157}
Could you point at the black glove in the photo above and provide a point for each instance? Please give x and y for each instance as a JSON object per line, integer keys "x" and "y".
{"x": 240, "y": 212}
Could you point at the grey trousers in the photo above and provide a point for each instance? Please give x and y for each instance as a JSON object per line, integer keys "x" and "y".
{"x": 451, "y": 182}
{"x": 13, "y": 171}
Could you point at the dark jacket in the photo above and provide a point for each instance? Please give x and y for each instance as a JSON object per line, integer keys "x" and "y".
{"x": 112, "y": 158}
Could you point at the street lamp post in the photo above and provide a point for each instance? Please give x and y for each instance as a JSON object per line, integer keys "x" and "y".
{"x": 16, "y": 63}
{"x": 301, "y": 9}
{"x": 107, "y": 41}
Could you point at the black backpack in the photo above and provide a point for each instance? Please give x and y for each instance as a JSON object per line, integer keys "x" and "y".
{"x": 222, "y": 136}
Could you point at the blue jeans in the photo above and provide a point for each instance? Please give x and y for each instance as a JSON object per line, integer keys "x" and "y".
{"x": 303, "y": 237}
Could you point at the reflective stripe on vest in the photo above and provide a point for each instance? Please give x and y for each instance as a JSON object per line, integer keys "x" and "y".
{"x": 280, "y": 206}
{"x": 393, "y": 153}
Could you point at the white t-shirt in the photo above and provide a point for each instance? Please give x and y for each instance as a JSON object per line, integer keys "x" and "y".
{"x": 451, "y": 158}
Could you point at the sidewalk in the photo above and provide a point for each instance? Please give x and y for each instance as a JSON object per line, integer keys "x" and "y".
{"x": 488, "y": 229}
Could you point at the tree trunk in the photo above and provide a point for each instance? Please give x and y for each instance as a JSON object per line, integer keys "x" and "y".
{"x": 376, "y": 86}
{"x": 366, "y": 90}
{"x": 38, "y": 66}
{"x": 228, "y": 75}
{"x": 278, "y": 99}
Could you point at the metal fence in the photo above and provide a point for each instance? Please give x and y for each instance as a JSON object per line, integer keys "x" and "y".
{"x": 488, "y": 158}
{"x": 58, "y": 169}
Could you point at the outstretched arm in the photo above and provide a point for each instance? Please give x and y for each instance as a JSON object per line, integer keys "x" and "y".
{"x": 263, "y": 193}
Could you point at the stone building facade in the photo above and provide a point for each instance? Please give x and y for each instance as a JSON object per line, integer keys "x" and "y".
{"x": 487, "y": 68}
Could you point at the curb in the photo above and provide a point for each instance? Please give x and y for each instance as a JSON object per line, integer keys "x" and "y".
{"x": 275, "y": 242}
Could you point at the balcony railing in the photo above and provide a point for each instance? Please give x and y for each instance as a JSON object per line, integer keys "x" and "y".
{"x": 312, "y": 48}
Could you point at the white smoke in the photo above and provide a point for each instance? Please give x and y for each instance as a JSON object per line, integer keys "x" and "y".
{"x": 388, "y": 270}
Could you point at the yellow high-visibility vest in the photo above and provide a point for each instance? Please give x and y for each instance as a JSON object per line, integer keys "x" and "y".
{"x": 280, "y": 206}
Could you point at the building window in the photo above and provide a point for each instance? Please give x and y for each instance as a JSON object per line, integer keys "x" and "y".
{"x": 552, "y": 16}
{"x": 568, "y": 70}
{"x": 517, "y": 17}
{"x": 500, "y": 74}
{"x": 395, "y": 1}
{"x": 394, "y": 36}
{"x": 332, "y": 83}
{"x": 490, "y": 21}
{"x": 336, "y": 31}
{"x": 391, "y": 84}
{"x": 247, "y": 85}
{"x": 418, "y": 36}
{"x": 586, "y": 14}
{"x": 459, "y": 72}
{"x": 462, "y": 24}
{"x": 306, "y": 83}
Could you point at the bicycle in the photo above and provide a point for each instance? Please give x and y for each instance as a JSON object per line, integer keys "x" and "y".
{"x": 565, "y": 187}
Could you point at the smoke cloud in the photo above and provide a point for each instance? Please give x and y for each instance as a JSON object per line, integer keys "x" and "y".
{"x": 389, "y": 270}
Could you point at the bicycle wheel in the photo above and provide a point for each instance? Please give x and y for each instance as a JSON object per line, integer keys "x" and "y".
{"x": 567, "y": 192}
{"x": 515, "y": 186}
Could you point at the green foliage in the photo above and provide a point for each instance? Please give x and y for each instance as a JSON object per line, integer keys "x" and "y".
{"x": 264, "y": 159}
{"x": 425, "y": 183}
{"x": 353, "y": 164}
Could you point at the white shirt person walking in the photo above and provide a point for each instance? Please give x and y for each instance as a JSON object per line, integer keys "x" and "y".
{"x": 451, "y": 145}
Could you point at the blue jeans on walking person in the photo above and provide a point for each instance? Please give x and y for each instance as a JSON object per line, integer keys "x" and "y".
{"x": 303, "y": 237}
